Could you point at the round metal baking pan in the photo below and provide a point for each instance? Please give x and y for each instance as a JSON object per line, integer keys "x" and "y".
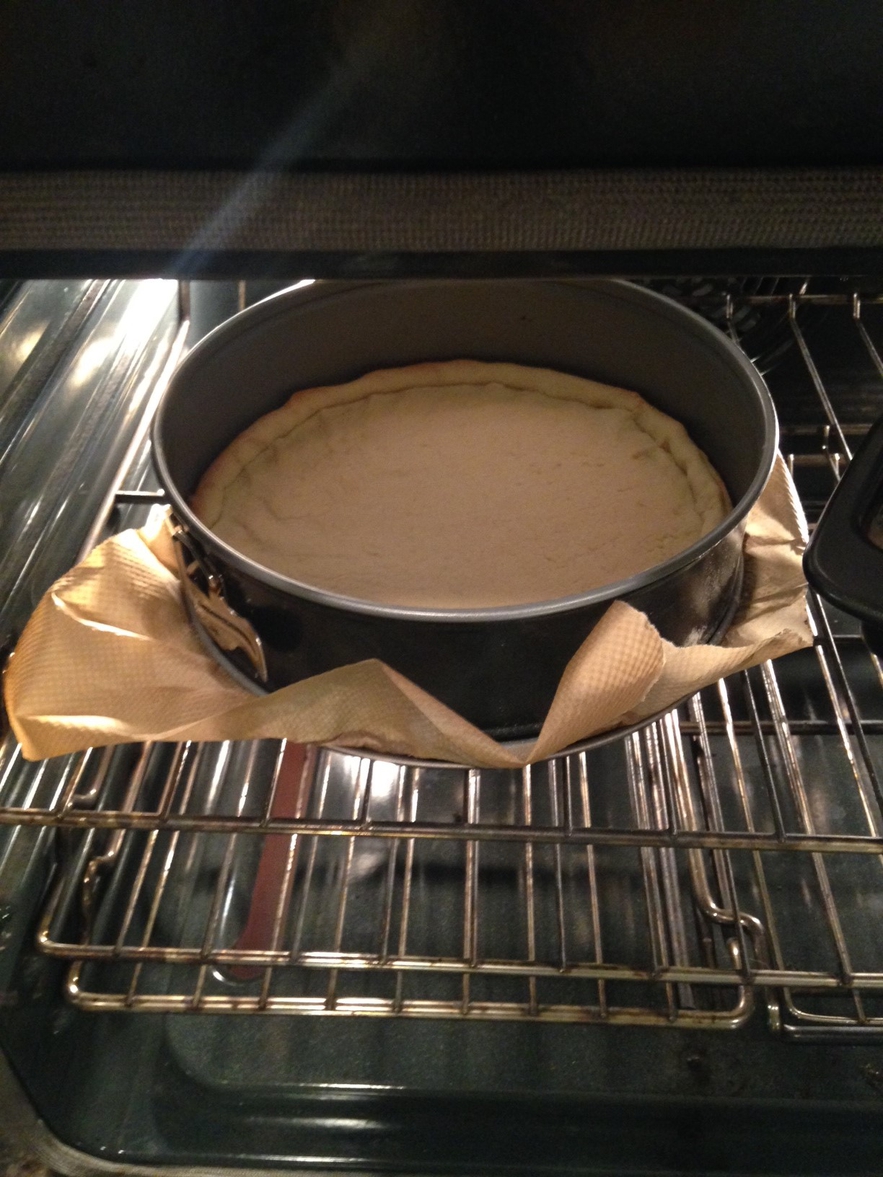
{"x": 499, "y": 668}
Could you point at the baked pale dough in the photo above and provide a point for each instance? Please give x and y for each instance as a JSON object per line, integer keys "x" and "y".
{"x": 462, "y": 485}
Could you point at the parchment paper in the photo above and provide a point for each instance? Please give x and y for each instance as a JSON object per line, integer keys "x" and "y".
{"x": 109, "y": 657}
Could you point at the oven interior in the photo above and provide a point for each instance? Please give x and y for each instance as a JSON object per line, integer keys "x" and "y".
{"x": 660, "y": 955}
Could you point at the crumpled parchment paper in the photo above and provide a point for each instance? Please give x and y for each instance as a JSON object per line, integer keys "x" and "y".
{"x": 109, "y": 657}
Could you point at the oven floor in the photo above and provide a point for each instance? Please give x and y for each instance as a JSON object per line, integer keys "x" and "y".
{"x": 366, "y": 1095}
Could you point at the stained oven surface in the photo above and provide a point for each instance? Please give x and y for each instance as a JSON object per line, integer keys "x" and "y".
{"x": 663, "y": 955}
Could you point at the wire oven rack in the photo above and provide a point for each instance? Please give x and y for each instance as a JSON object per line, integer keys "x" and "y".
{"x": 727, "y": 858}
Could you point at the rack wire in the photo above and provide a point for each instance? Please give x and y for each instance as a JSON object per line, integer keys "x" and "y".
{"x": 725, "y": 858}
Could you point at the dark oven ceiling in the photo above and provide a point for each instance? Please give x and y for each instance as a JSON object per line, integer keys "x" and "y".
{"x": 440, "y": 85}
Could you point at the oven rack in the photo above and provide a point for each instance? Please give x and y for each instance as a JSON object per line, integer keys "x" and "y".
{"x": 728, "y": 856}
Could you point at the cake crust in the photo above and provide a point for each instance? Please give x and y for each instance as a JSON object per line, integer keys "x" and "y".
{"x": 462, "y": 484}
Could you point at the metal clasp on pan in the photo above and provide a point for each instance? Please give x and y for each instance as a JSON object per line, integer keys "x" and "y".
{"x": 209, "y": 603}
